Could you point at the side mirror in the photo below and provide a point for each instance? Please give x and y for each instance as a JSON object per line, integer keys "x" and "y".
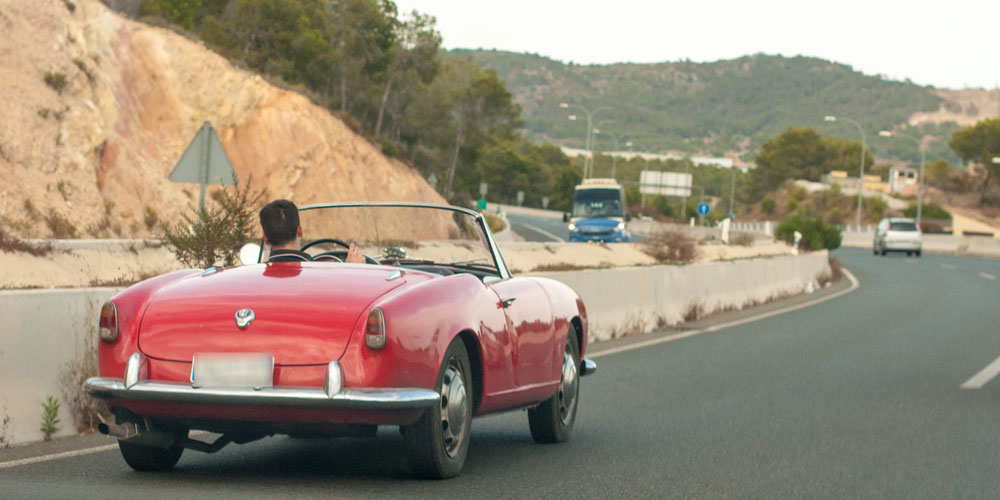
{"x": 565, "y": 217}
{"x": 250, "y": 254}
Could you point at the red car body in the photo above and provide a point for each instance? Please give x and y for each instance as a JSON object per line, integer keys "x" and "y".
{"x": 311, "y": 316}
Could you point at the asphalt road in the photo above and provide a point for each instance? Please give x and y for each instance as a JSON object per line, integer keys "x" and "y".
{"x": 856, "y": 397}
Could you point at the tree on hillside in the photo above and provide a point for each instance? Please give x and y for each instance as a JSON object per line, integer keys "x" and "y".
{"x": 801, "y": 153}
{"x": 481, "y": 107}
{"x": 980, "y": 142}
{"x": 413, "y": 57}
{"x": 360, "y": 33}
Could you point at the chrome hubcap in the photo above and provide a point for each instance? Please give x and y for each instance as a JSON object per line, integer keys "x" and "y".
{"x": 568, "y": 388}
{"x": 454, "y": 409}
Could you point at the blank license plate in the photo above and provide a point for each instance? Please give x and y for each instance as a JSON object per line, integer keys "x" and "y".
{"x": 232, "y": 370}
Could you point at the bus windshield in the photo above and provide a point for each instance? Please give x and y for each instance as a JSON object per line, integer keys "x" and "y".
{"x": 597, "y": 203}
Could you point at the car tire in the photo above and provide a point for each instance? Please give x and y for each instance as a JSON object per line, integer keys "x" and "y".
{"x": 884, "y": 252}
{"x": 150, "y": 458}
{"x": 438, "y": 443}
{"x": 917, "y": 253}
{"x": 552, "y": 421}
{"x": 909, "y": 254}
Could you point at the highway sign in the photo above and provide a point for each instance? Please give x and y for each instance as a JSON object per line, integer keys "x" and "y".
{"x": 703, "y": 208}
{"x": 483, "y": 188}
{"x": 665, "y": 183}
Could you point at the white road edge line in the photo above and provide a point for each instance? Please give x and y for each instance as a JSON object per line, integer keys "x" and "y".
{"x": 683, "y": 335}
{"x": 988, "y": 276}
{"x": 74, "y": 453}
{"x": 56, "y": 456}
{"x": 540, "y": 230}
{"x": 984, "y": 376}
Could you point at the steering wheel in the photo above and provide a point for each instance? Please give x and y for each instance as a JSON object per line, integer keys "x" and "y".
{"x": 340, "y": 255}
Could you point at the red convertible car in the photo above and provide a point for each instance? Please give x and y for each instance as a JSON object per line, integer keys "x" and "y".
{"x": 430, "y": 332}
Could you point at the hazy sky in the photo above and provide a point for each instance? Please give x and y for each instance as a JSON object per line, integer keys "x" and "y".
{"x": 944, "y": 43}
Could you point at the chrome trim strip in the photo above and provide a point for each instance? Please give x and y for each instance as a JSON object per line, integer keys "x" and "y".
{"x": 334, "y": 379}
{"x": 588, "y": 367}
{"x": 174, "y": 392}
{"x": 397, "y": 204}
{"x": 134, "y": 369}
{"x": 393, "y": 275}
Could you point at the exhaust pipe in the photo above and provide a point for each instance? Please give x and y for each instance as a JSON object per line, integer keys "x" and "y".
{"x": 128, "y": 430}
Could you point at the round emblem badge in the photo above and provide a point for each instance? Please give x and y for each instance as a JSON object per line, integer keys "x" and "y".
{"x": 244, "y": 317}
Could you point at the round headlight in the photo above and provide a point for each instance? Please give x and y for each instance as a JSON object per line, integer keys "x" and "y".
{"x": 572, "y": 227}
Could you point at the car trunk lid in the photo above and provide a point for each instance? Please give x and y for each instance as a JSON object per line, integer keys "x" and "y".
{"x": 303, "y": 313}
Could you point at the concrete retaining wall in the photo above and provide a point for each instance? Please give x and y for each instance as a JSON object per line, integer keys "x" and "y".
{"x": 43, "y": 332}
{"x": 630, "y": 300}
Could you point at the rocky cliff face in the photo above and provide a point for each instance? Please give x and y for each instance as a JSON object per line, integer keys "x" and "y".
{"x": 98, "y": 109}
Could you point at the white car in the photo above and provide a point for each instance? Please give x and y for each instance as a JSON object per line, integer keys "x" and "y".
{"x": 894, "y": 234}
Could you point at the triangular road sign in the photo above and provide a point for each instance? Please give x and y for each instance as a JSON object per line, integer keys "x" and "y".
{"x": 204, "y": 161}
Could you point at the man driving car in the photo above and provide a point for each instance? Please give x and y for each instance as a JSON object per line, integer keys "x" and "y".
{"x": 283, "y": 232}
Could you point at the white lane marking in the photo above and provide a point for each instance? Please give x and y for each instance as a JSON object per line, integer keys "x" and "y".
{"x": 948, "y": 267}
{"x": 980, "y": 379}
{"x": 684, "y": 335}
{"x": 56, "y": 456}
{"x": 540, "y": 230}
{"x": 988, "y": 276}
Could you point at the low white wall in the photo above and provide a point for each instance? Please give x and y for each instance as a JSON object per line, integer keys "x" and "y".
{"x": 43, "y": 332}
{"x": 631, "y": 300}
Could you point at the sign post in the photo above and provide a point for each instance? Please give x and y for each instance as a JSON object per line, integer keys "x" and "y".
{"x": 204, "y": 161}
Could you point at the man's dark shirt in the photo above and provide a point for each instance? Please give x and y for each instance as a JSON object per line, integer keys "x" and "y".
{"x": 283, "y": 255}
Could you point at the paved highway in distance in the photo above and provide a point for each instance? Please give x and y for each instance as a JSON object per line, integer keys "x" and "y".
{"x": 885, "y": 392}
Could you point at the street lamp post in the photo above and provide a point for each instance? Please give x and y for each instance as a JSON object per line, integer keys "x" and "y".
{"x": 923, "y": 160}
{"x": 590, "y": 129}
{"x": 861, "y": 175}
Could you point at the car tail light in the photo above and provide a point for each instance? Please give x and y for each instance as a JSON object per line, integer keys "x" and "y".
{"x": 375, "y": 329}
{"x": 108, "y": 326}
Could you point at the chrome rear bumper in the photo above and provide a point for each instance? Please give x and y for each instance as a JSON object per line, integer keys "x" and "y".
{"x": 351, "y": 399}
{"x": 331, "y": 396}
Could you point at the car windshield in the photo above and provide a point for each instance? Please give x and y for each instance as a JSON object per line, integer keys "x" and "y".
{"x": 399, "y": 235}
{"x": 597, "y": 203}
{"x": 902, "y": 226}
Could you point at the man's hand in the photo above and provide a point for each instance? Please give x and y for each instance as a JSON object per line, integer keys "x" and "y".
{"x": 354, "y": 255}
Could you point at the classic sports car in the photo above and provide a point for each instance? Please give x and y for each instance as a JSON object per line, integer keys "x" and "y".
{"x": 432, "y": 331}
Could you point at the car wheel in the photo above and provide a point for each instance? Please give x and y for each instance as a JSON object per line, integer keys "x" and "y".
{"x": 438, "y": 443}
{"x": 552, "y": 421}
{"x": 918, "y": 253}
{"x": 149, "y": 458}
{"x": 884, "y": 252}
{"x": 909, "y": 254}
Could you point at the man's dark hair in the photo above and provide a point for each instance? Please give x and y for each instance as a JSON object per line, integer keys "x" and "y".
{"x": 280, "y": 220}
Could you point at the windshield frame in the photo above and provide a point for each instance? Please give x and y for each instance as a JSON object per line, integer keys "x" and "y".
{"x": 478, "y": 217}
{"x": 619, "y": 197}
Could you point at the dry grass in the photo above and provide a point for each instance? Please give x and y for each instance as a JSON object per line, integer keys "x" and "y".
{"x": 671, "y": 246}
{"x": 559, "y": 266}
{"x": 11, "y": 243}
{"x": 121, "y": 281}
{"x": 741, "y": 238}
{"x": 87, "y": 412}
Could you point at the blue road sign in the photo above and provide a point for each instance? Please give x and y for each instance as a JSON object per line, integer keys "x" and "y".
{"x": 703, "y": 208}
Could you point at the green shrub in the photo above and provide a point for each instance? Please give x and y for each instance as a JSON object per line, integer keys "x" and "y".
{"x": 815, "y": 234}
{"x": 930, "y": 211}
{"x": 793, "y": 205}
{"x": 56, "y": 80}
{"x": 768, "y": 204}
{"x": 60, "y": 226}
{"x": 50, "y": 417}
{"x": 876, "y": 207}
{"x": 214, "y": 235}
{"x": 834, "y": 216}
{"x": 799, "y": 193}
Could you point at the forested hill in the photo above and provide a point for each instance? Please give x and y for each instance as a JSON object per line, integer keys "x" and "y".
{"x": 711, "y": 108}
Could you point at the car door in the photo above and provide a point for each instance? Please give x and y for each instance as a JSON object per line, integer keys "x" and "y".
{"x": 529, "y": 316}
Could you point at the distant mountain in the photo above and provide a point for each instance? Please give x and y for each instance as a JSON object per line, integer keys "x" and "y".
{"x": 718, "y": 108}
